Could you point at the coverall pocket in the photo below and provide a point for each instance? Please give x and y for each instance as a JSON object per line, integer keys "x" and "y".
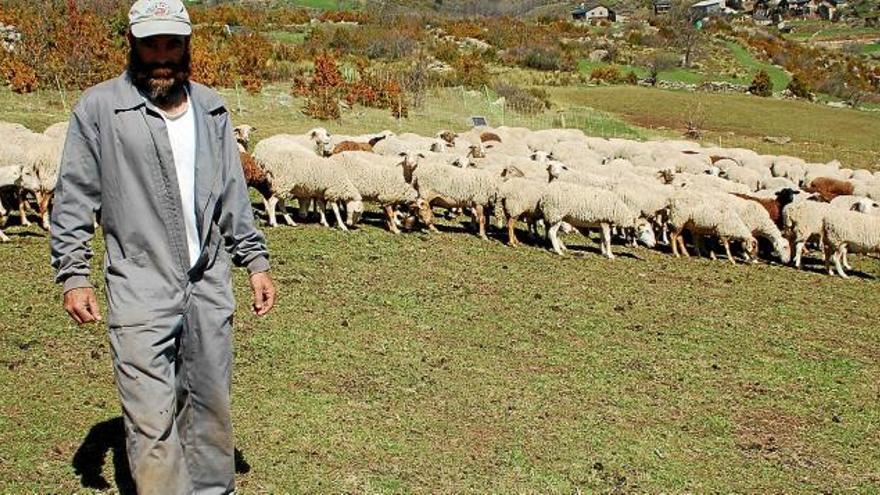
{"x": 128, "y": 291}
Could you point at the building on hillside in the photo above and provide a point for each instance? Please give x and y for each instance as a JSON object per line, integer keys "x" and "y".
{"x": 708, "y": 8}
{"x": 662, "y": 6}
{"x": 829, "y": 9}
{"x": 593, "y": 11}
{"x": 796, "y": 8}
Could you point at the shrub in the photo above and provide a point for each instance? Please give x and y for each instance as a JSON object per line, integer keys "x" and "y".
{"x": 20, "y": 77}
{"x": 761, "y": 84}
{"x": 607, "y": 74}
{"x": 799, "y": 87}
{"x": 631, "y": 78}
{"x": 526, "y": 101}
{"x": 469, "y": 70}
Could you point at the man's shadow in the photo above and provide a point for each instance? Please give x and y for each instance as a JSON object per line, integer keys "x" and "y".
{"x": 106, "y": 436}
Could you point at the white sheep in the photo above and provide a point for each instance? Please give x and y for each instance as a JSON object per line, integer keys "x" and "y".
{"x": 589, "y": 207}
{"x": 742, "y": 175}
{"x": 701, "y": 215}
{"x": 802, "y": 221}
{"x": 519, "y": 198}
{"x": 378, "y": 179}
{"x": 844, "y": 231}
{"x": 294, "y": 171}
{"x": 856, "y": 203}
{"x": 451, "y": 187}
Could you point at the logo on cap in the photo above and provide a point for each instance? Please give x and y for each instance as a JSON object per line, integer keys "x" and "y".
{"x": 160, "y": 8}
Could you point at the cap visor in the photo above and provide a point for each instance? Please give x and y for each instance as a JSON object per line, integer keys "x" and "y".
{"x": 155, "y": 28}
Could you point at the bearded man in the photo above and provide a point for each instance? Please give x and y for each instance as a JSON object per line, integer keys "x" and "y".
{"x": 156, "y": 154}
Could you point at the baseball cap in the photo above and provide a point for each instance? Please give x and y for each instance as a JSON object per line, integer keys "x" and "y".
{"x": 154, "y": 17}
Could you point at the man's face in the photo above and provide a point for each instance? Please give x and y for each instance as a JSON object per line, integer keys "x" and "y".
{"x": 160, "y": 65}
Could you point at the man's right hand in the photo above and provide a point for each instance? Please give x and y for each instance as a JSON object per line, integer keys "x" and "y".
{"x": 82, "y": 305}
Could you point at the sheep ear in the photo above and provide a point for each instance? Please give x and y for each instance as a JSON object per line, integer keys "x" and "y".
{"x": 421, "y": 155}
{"x": 402, "y": 154}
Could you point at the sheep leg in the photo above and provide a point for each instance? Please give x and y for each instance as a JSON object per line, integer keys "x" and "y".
{"x": 22, "y": 206}
{"x": 683, "y": 246}
{"x": 335, "y": 207}
{"x": 554, "y": 238}
{"x": 390, "y": 219}
{"x": 837, "y": 265}
{"x": 606, "y": 240}
{"x": 674, "y": 242}
{"x": 799, "y": 253}
{"x": 270, "y": 211}
{"x": 727, "y": 250}
{"x": 43, "y": 200}
{"x": 512, "y": 241}
{"x": 700, "y": 245}
{"x": 844, "y": 257}
{"x": 480, "y": 217}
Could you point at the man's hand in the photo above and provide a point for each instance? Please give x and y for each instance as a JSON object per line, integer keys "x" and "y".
{"x": 82, "y": 305}
{"x": 264, "y": 293}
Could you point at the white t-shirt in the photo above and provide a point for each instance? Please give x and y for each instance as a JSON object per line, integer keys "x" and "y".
{"x": 182, "y": 134}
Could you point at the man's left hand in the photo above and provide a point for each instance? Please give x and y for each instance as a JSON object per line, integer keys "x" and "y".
{"x": 264, "y": 293}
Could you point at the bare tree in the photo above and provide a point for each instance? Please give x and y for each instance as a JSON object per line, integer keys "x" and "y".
{"x": 683, "y": 26}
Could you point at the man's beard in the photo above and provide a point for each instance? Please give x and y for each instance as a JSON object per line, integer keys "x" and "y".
{"x": 163, "y": 84}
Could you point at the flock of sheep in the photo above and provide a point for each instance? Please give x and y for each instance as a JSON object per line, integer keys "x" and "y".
{"x": 750, "y": 205}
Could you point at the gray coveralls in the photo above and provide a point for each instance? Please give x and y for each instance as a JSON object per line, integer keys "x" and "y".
{"x": 170, "y": 326}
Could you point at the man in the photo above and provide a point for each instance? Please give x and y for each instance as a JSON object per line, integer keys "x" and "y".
{"x": 156, "y": 154}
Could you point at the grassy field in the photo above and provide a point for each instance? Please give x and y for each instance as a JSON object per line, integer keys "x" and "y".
{"x": 444, "y": 364}
{"x": 778, "y": 77}
{"x": 818, "y": 132}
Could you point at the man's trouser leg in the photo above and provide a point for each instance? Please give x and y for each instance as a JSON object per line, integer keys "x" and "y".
{"x": 205, "y": 378}
{"x": 174, "y": 379}
{"x": 144, "y": 360}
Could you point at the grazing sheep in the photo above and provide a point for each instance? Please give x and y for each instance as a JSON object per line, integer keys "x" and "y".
{"x": 802, "y": 221}
{"x": 703, "y": 216}
{"x": 758, "y": 220}
{"x": 829, "y": 188}
{"x": 844, "y": 231}
{"x": 377, "y": 179}
{"x": 588, "y": 207}
{"x": 451, "y": 187}
{"x": 294, "y": 171}
{"x": 520, "y": 197}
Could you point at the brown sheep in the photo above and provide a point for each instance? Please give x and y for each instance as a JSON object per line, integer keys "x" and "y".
{"x": 489, "y": 136}
{"x": 352, "y": 146}
{"x": 255, "y": 176}
{"x": 828, "y": 188}
{"x": 773, "y": 206}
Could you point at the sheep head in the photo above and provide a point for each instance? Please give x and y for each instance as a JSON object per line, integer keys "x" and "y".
{"x": 243, "y": 135}
{"x": 462, "y": 162}
{"x": 409, "y": 162}
{"x": 477, "y": 151}
{"x": 554, "y": 170}
{"x": 321, "y": 137}
{"x": 353, "y": 210}
{"x": 645, "y": 233}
